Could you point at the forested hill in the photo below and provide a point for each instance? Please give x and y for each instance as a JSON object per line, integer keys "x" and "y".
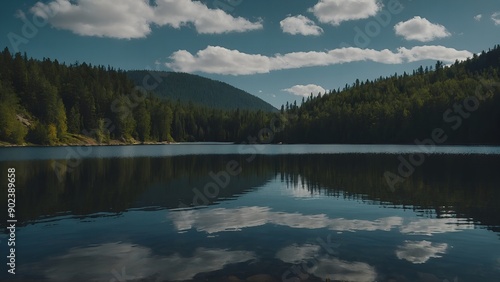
{"x": 49, "y": 103}
{"x": 46, "y": 102}
{"x": 460, "y": 101}
{"x": 199, "y": 90}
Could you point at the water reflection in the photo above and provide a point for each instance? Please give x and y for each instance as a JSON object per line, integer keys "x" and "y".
{"x": 220, "y": 220}
{"x": 420, "y": 251}
{"x": 138, "y": 217}
{"x": 129, "y": 262}
{"x": 431, "y": 226}
{"x": 445, "y": 186}
{"x": 298, "y": 253}
{"x": 340, "y": 270}
{"x": 301, "y": 189}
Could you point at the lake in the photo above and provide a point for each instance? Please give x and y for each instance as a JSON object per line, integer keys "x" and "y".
{"x": 221, "y": 212}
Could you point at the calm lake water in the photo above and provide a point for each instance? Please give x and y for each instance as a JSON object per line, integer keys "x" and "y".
{"x": 214, "y": 212}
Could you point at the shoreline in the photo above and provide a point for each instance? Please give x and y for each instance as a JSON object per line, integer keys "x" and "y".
{"x": 226, "y": 143}
{"x": 87, "y": 144}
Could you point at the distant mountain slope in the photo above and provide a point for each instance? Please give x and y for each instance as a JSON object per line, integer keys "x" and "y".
{"x": 200, "y": 90}
{"x": 461, "y": 101}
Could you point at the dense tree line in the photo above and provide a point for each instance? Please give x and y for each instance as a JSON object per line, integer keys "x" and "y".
{"x": 462, "y": 99}
{"x": 200, "y": 90}
{"x": 150, "y": 181}
{"x": 46, "y": 102}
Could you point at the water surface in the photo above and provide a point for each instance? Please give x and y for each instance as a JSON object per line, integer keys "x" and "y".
{"x": 286, "y": 213}
{"x": 181, "y": 149}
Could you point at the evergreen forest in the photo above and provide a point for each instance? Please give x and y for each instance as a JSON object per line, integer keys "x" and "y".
{"x": 44, "y": 102}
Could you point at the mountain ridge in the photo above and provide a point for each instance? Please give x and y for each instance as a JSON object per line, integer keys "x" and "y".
{"x": 199, "y": 90}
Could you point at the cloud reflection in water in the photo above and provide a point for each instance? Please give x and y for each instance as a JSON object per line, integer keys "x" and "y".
{"x": 99, "y": 262}
{"x": 222, "y": 219}
{"x": 418, "y": 252}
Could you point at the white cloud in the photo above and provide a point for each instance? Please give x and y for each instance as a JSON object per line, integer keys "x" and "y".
{"x": 418, "y": 252}
{"x": 215, "y": 59}
{"x": 305, "y": 91}
{"x": 495, "y": 17}
{"x": 219, "y": 60}
{"x": 181, "y": 12}
{"x": 128, "y": 19}
{"x": 132, "y": 262}
{"x": 117, "y": 19}
{"x": 420, "y": 29}
{"x": 223, "y": 220}
{"x": 478, "y": 17}
{"x": 337, "y": 11}
{"x": 300, "y": 25}
{"x": 433, "y": 52}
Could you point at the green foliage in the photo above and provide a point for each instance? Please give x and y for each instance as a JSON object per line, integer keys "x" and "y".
{"x": 104, "y": 104}
{"x": 161, "y": 128}
{"x": 403, "y": 108}
{"x": 143, "y": 127}
{"x": 11, "y": 129}
{"x": 52, "y": 134}
{"x": 199, "y": 90}
{"x": 61, "y": 120}
{"x": 74, "y": 121}
{"x": 39, "y": 135}
{"x": 102, "y": 134}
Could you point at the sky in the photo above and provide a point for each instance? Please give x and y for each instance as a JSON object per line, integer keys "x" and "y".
{"x": 278, "y": 50}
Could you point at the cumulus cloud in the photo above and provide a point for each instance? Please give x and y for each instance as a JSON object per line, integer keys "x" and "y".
{"x": 181, "y": 12}
{"x": 300, "y": 25}
{"x": 118, "y": 19}
{"x": 305, "y": 91}
{"x": 127, "y": 19}
{"x": 224, "y": 220}
{"x": 336, "y": 11}
{"x": 110, "y": 261}
{"x": 478, "y": 17}
{"x": 495, "y": 17}
{"x": 420, "y": 29}
{"x": 437, "y": 53}
{"x": 219, "y": 60}
{"x": 418, "y": 252}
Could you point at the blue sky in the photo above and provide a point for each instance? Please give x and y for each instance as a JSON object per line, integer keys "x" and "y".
{"x": 277, "y": 50}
